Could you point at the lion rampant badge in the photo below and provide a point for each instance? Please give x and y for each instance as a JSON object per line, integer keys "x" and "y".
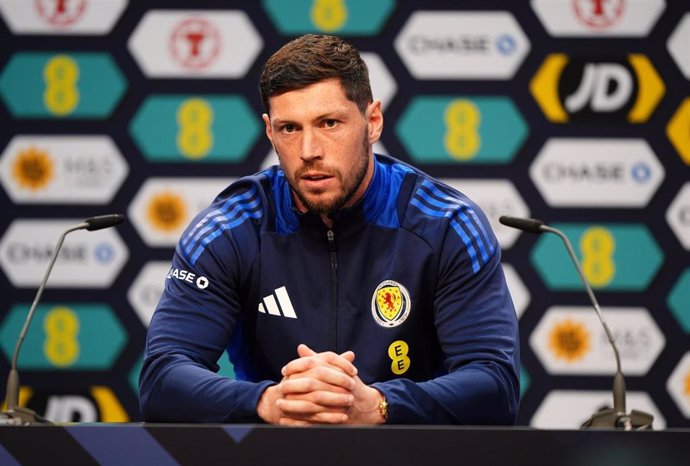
{"x": 390, "y": 304}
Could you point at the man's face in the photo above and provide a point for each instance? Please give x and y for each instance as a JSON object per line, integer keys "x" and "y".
{"x": 324, "y": 144}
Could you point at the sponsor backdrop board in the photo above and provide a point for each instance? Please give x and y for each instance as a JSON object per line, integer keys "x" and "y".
{"x": 576, "y": 112}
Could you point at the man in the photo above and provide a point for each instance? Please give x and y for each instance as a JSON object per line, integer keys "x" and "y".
{"x": 347, "y": 287}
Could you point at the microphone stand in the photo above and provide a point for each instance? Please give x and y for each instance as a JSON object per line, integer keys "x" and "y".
{"x": 15, "y": 414}
{"x": 615, "y": 417}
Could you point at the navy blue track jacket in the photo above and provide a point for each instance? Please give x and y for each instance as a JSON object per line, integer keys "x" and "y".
{"x": 409, "y": 279}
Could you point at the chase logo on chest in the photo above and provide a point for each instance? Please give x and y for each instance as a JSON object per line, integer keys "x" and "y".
{"x": 390, "y": 304}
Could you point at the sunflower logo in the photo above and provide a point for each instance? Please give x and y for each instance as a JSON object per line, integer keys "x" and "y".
{"x": 33, "y": 168}
{"x": 167, "y": 211}
{"x": 569, "y": 340}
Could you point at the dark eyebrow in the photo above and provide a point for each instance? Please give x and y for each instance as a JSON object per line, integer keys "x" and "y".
{"x": 332, "y": 115}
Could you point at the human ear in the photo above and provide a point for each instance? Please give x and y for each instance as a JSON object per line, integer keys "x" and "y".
{"x": 269, "y": 129}
{"x": 374, "y": 117}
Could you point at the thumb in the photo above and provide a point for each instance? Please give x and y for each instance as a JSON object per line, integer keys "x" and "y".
{"x": 303, "y": 351}
{"x": 349, "y": 355}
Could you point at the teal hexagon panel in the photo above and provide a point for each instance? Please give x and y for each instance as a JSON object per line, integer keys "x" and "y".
{"x": 679, "y": 301}
{"x": 182, "y": 128}
{"x": 226, "y": 367}
{"x": 342, "y": 17}
{"x": 613, "y": 257}
{"x": 462, "y": 129}
{"x": 134, "y": 374}
{"x": 61, "y": 85}
{"x": 525, "y": 381}
{"x": 65, "y": 336}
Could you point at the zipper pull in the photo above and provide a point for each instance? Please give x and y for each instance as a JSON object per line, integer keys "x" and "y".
{"x": 331, "y": 248}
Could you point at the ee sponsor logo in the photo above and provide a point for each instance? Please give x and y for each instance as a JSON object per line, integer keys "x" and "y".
{"x": 398, "y": 352}
{"x": 73, "y": 336}
{"x": 342, "y": 17}
{"x": 61, "y": 85}
{"x": 464, "y": 129}
{"x": 613, "y": 257}
{"x": 569, "y": 89}
{"x": 184, "y": 128}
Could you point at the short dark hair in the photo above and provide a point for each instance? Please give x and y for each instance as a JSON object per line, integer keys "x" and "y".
{"x": 312, "y": 58}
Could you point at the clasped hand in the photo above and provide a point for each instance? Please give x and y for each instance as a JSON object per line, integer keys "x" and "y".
{"x": 320, "y": 388}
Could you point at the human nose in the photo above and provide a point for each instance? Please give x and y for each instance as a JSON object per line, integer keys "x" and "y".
{"x": 312, "y": 146}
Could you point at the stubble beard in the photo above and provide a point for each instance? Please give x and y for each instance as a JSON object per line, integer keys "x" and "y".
{"x": 314, "y": 203}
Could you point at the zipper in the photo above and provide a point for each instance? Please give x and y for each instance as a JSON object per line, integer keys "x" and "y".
{"x": 334, "y": 290}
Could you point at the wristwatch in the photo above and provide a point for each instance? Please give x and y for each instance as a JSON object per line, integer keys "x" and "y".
{"x": 383, "y": 408}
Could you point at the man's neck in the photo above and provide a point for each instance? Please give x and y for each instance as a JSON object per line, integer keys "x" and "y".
{"x": 328, "y": 221}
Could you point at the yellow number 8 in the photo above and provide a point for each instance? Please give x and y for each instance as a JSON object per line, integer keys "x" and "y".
{"x": 462, "y": 119}
{"x": 61, "y": 346}
{"x": 194, "y": 118}
{"x": 598, "y": 245}
{"x": 61, "y": 95}
{"x": 328, "y": 15}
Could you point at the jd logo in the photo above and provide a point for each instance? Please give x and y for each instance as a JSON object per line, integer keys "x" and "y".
{"x": 579, "y": 90}
{"x": 604, "y": 87}
{"x": 67, "y": 408}
{"x": 96, "y": 403}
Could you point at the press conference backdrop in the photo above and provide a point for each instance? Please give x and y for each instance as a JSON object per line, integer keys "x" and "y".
{"x": 576, "y": 112}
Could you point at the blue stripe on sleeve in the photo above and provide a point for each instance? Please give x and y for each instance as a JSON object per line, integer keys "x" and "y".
{"x": 458, "y": 229}
{"x": 475, "y": 225}
{"x": 432, "y": 201}
{"x": 234, "y": 211}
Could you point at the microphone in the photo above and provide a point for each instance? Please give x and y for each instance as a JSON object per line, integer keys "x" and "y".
{"x": 615, "y": 417}
{"x": 16, "y": 415}
{"x": 103, "y": 221}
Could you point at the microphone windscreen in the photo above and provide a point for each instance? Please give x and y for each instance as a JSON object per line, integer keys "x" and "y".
{"x": 530, "y": 225}
{"x": 104, "y": 221}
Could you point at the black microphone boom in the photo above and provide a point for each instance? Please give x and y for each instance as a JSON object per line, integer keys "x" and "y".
{"x": 103, "y": 221}
{"x": 615, "y": 417}
{"x": 530, "y": 225}
{"x": 16, "y": 415}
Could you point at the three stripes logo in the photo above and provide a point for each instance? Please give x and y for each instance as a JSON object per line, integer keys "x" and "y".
{"x": 278, "y": 304}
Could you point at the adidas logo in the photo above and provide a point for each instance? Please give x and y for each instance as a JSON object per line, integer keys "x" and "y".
{"x": 275, "y": 304}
